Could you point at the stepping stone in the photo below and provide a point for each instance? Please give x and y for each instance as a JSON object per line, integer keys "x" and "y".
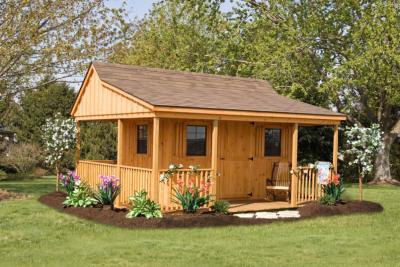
{"x": 244, "y": 215}
{"x": 266, "y": 215}
{"x": 288, "y": 214}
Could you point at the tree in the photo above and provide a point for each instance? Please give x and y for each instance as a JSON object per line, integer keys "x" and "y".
{"x": 362, "y": 146}
{"x": 180, "y": 35}
{"x": 53, "y": 37}
{"x": 99, "y": 140}
{"x": 38, "y": 104}
{"x": 366, "y": 82}
{"x": 59, "y": 136}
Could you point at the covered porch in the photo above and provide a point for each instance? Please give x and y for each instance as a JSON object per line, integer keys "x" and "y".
{"x": 227, "y": 165}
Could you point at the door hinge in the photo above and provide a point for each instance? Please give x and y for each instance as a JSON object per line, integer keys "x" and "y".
{"x": 250, "y": 194}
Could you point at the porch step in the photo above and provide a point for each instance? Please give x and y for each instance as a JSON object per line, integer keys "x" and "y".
{"x": 269, "y": 215}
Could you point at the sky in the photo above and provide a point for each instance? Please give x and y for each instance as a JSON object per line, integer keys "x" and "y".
{"x": 138, "y": 8}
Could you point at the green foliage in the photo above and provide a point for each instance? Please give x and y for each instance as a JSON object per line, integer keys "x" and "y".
{"x": 68, "y": 181}
{"x": 190, "y": 197}
{"x": 142, "y": 206}
{"x": 38, "y": 104}
{"x": 328, "y": 200}
{"x": 108, "y": 190}
{"x": 221, "y": 206}
{"x": 98, "y": 140}
{"x": 82, "y": 196}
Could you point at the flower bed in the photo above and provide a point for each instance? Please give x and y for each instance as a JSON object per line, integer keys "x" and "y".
{"x": 118, "y": 218}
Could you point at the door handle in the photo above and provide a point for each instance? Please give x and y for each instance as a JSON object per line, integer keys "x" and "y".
{"x": 252, "y": 158}
{"x": 222, "y": 158}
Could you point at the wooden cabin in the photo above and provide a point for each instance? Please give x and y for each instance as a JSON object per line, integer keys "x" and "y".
{"x": 235, "y": 128}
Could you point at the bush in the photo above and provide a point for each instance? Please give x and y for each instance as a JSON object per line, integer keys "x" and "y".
{"x": 21, "y": 158}
{"x": 81, "y": 196}
{"x": 40, "y": 172}
{"x": 68, "y": 181}
{"x": 221, "y": 206}
{"x": 3, "y": 175}
{"x": 333, "y": 190}
{"x": 142, "y": 206}
{"x": 108, "y": 190}
{"x": 189, "y": 197}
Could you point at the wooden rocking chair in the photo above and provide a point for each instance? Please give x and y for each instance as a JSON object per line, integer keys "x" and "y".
{"x": 280, "y": 179}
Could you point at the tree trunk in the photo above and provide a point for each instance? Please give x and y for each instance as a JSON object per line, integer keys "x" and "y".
{"x": 382, "y": 162}
{"x": 360, "y": 178}
{"x": 57, "y": 177}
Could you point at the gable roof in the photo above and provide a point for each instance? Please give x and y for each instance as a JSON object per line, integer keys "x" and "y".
{"x": 167, "y": 88}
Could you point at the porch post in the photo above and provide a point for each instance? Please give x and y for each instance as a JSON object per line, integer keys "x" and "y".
{"x": 156, "y": 143}
{"x": 295, "y": 135}
{"x": 335, "y": 147}
{"x": 78, "y": 142}
{"x": 214, "y": 156}
{"x": 120, "y": 148}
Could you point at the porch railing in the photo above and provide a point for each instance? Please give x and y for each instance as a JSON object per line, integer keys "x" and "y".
{"x": 131, "y": 178}
{"x": 166, "y": 189}
{"x": 308, "y": 186}
{"x": 134, "y": 179}
{"x": 89, "y": 171}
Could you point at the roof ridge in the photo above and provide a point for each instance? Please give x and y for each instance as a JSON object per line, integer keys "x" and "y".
{"x": 224, "y": 76}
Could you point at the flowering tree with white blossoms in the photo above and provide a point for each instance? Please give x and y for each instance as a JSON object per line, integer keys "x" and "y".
{"x": 363, "y": 145}
{"x": 59, "y": 135}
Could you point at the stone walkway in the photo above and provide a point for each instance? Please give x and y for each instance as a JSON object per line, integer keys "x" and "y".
{"x": 270, "y": 214}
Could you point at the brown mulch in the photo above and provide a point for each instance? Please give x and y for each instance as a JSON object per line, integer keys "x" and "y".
{"x": 5, "y": 195}
{"x": 316, "y": 209}
{"x": 174, "y": 220}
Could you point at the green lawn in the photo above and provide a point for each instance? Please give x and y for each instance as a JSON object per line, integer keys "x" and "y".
{"x": 32, "y": 234}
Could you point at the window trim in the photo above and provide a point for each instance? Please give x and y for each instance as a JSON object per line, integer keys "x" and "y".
{"x": 137, "y": 139}
{"x": 265, "y": 142}
{"x": 195, "y": 124}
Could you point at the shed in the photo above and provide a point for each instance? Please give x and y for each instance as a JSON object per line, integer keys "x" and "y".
{"x": 236, "y": 129}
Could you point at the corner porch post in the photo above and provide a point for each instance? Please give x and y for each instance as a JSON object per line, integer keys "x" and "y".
{"x": 155, "y": 159}
{"x": 120, "y": 148}
{"x": 335, "y": 147}
{"x": 295, "y": 135}
{"x": 214, "y": 156}
{"x": 78, "y": 144}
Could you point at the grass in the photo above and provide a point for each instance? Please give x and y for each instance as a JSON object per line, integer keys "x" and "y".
{"x": 32, "y": 234}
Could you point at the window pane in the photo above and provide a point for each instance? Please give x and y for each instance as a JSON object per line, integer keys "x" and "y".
{"x": 272, "y": 142}
{"x": 196, "y": 140}
{"x": 141, "y": 143}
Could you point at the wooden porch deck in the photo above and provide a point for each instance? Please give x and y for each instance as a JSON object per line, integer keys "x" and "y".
{"x": 257, "y": 205}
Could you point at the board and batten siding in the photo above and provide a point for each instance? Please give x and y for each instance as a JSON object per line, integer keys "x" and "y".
{"x": 101, "y": 100}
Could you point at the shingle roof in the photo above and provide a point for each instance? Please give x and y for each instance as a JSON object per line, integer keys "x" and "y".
{"x": 161, "y": 87}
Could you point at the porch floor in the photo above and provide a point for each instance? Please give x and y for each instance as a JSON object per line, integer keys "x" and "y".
{"x": 246, "y": 205}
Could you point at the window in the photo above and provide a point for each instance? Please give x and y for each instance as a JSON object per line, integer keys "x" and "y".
{"x": 141, "y": 142}
{"x": 272, "y": 143}
{"x": 196, "y": 140}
